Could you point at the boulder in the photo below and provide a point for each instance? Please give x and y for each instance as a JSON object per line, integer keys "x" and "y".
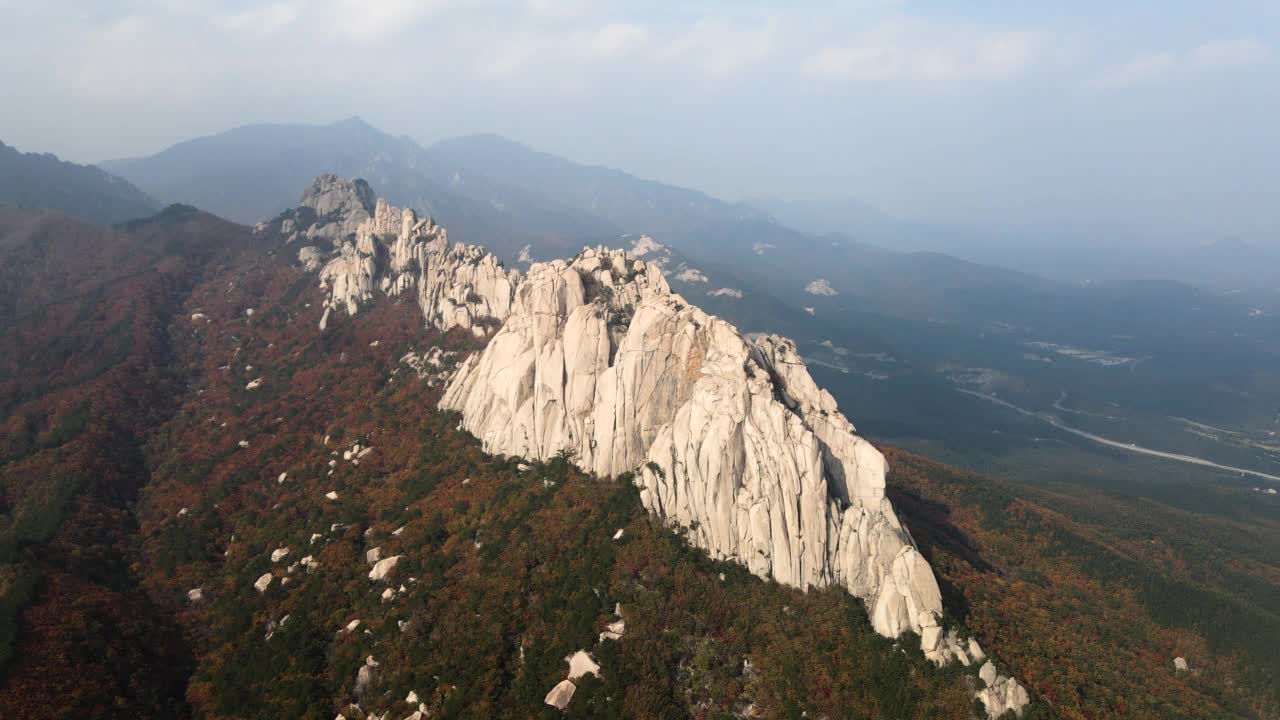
{"x": 581, "y": 663}
{"x": 988, "y": 674}
{"x": 263, "y": 582}
{"x": 560, "y": 695}
{"x": 1180, "y": 664}
{"x": 383, "y": 567}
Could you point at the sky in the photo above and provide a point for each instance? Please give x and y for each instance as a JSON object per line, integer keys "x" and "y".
{"x": 1148, "y": 121}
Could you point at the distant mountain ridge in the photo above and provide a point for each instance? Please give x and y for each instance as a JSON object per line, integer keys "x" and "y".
{"x": 41, "y": 180}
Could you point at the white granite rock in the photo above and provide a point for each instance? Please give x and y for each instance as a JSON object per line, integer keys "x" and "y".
{"x": 730, "y": 438}
{"x": 1003, "y": 695}
{"x": 560, "y": 695}
{"x": 195, "y": 594}
{"x": 1180, "y": 664}
{"x": 311, "y": 258}
{"x": 614, "y": 630}
{"x": 383, "y": 567}
{"x": 391, "y": 251}
{"x": 581, "y": 663}
{"x": 988, "y": 673}
{"x": 279, "y": 553}
{"x": 263, "y": 582}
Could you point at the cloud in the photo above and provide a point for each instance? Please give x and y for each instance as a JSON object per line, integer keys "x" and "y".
{"x": 1229, "y": 54}
{"x": 723, "y": 45}
{"x": 1140, "y": 69}
{"x": 615, "y": 39}
{"x": 264, "y": 20}
{"x": 1218, "y": 55}
{"x": 369, "y": 21}
{"x": 920, "y": 51}
{"x": 118, "y": 63}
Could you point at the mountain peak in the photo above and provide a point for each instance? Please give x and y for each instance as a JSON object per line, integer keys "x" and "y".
{"x": 355, "y": 122}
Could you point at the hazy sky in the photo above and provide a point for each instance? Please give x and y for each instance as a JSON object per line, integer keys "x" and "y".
{"x": 1156, "y": 119}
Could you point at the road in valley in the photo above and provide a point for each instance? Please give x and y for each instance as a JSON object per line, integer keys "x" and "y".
{"x": 1190, "y": 459}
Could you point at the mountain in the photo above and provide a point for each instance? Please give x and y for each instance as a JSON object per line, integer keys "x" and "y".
{"x": 213, "y": 507}
{"x": 40, "y": 180}
{"x": 628, "y": 202}
{"x": 252, "y": 173}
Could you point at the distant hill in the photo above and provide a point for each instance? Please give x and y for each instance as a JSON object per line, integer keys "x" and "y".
{"x": 251, "y": 173}
{"x": 41, "y": 180}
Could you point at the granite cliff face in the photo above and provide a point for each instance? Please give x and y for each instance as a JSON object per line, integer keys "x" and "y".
{"x": 728, "y": 437}
{"x": 376, "y": 248}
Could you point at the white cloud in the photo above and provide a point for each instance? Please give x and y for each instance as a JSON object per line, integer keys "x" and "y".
{"x": 1218, "y": 55}
{"x": 723, "y": 46}
{"x": 915, "y": 50}
{"x": 368, "y": 21}
{"x": 1229, "y": 54}
{"x": 615, "y": 39}
{"x": 1140, "y": 69}
{"x": 118, "y": 63}
{"x": 264, "y": 20}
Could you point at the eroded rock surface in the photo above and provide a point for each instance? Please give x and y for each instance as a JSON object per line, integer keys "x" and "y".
{"x": 380, "y": 249}
{"x": 729, "y": 437}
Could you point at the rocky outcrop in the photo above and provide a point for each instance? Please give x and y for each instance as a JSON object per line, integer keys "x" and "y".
{"x": 729, "y": 438}
{"x": 339, "y": 206}
{"x": 1002, "y": 694}
{"x": 380, "y": 249}
{"x": 561, "y": 695}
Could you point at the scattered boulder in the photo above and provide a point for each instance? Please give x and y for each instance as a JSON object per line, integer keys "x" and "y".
{"x": 988, "y": 674}
{"x": 560, "y": 695}
{"x": 373, "y": 556}
{"x": 279, "y": 553}
{"x": 195, "y": 594}
{"x": 581, "y": 663}
{"x": 618, "y": 535}
{"x": 383, "y": 567}
{"x": 331, "y": 495}
{"x": 364, "y": 676}
{"x": 976, "y": 653}
{"x": 254, "y": 384}
{"x": 1003, "y": 695}
{"x": 1180, "y": 664}
{"x": 614, "y": 630}
{"x": 311, "y": 258}
{"x": 264, "y": 582}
